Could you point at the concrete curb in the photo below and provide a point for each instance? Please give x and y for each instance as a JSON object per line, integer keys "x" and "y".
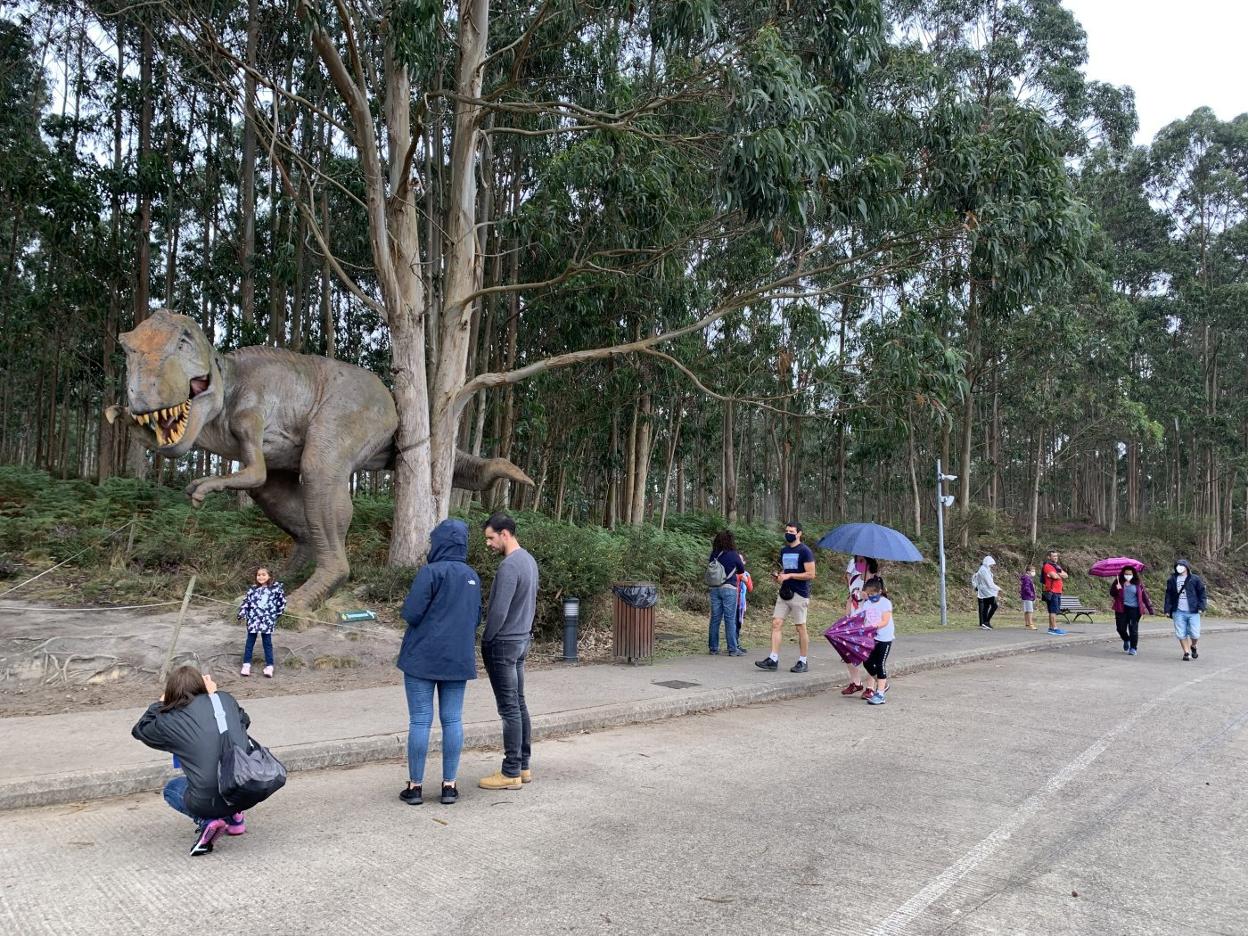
{"x": 348, "y": 752}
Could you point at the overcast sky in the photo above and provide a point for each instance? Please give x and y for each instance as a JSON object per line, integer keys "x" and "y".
{"x": 1177, "y": 56}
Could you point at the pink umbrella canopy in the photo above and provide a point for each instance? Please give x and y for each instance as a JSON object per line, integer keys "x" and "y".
{"x": 1109, "y": 568}
{"x": 851, "y": 638}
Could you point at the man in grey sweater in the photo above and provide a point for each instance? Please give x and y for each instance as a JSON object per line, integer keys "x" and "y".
{"x": 504, "y": 645}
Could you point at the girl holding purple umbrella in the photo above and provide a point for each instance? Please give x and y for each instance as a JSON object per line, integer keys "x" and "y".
{"x": 1129, "y": 598}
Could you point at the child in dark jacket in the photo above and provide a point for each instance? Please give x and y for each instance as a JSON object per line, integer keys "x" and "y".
{"x": 264, "y": 604}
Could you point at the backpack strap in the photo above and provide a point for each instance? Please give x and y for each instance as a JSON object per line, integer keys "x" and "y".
{"x": 217, "y": 710}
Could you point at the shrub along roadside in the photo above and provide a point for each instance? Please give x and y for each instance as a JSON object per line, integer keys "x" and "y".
{"x": 43, "y": 520}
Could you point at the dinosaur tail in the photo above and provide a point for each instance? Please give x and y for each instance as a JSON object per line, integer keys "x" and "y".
{"x": 474, "y": 473}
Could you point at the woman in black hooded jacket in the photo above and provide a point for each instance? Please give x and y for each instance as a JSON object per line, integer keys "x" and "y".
{"x": 184, "y": 724}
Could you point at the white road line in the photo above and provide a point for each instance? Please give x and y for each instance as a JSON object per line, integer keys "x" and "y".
{"x": 897, "y": 922}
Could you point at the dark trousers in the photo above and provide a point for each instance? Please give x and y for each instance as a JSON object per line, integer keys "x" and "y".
{"x": 266, "y": 639}
{"x": 987, "y": 608}
{"x": 1128, "y": 623}
{"x": 504, "y": 662}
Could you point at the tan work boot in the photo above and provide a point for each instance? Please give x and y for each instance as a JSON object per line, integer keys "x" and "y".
{"x": 526, "y": 776}
{"x": 499, "y": 781}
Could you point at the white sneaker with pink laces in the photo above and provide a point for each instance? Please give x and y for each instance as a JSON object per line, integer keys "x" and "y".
{"x": 268, "y": 671}
{"x": 246, "y": 670}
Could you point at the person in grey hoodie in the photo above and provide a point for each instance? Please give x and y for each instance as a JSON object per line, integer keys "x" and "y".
{"x": 986, "y": 590}
{"x": 504, "y": 645}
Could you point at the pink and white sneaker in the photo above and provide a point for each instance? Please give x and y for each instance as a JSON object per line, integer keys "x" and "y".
{"x": 246, "y": 670}
{"x": 235, "y": 825}
{"x": 268, "y": 671}
{"x": 207, "y": 835}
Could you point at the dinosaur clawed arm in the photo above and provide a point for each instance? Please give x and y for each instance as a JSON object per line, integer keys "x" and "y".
{"x": 473, "y": 473}
{"x": 248, "y": 428}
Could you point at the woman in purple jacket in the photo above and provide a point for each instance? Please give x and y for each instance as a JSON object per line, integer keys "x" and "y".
{"x": 1130, "y": 598}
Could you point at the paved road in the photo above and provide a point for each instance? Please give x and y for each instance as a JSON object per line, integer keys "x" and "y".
{"x": 979, "y": 800}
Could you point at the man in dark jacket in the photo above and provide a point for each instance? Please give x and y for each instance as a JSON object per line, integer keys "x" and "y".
{"x": 184, "y": 724}
{"x": 1185, "y": 599}
{"x": 439, "y": 653}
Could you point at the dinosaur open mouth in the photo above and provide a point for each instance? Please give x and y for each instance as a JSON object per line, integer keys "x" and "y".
{"x": 169, "y": 423}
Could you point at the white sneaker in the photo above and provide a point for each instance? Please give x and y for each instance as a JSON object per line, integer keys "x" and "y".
{"x": 246, "y": 670}
{"x": 268, "y": 671}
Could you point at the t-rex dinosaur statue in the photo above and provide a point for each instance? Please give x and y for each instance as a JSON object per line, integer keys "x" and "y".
{"x": 299, "y": 424}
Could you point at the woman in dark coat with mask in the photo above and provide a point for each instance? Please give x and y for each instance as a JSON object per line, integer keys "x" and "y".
{"x": 1130, "y": 601}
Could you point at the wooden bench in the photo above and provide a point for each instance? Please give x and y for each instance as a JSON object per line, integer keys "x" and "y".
{"x": 1073, "y": 609}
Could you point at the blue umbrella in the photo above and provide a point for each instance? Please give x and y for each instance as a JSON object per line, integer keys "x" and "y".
{"x": 871, "y": 539}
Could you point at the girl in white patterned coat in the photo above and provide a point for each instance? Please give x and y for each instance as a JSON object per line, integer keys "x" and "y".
{"x": 264, "y": 604}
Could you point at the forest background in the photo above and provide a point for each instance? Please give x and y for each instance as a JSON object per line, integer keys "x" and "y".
{"x": 688, "y": 263}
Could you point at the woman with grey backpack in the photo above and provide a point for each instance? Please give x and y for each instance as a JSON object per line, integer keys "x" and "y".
{"x": 723, "y": 569}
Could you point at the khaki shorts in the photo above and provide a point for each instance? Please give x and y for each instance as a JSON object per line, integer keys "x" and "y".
{"x": 796, "y": 608}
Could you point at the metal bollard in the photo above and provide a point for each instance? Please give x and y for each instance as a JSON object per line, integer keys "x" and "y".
{"x": 571, "y": 621}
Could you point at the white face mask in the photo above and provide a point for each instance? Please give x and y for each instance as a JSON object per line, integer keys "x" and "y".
{"x": 1180, "y": 570}
{"x": 1127, "y": 578}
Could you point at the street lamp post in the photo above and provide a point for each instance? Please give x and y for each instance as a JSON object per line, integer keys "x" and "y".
{"x": 943, "y": 500}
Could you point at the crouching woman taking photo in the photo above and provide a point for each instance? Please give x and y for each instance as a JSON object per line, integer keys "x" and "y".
{"x": 184, "y": 723}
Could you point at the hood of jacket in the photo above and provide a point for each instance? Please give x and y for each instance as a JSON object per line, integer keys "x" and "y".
{"x": 449, "y": 542}
{"x": 989, "y": 561}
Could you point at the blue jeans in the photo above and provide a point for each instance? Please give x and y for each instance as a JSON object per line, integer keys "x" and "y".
{"x": 724, "y": 608}
{"x": 420, "y": 720}
{"x": 267, "y": 639}
{"x": 175, "y": 796}
{"x": 1187, "y": 625}
{"x": 504, "y": 662}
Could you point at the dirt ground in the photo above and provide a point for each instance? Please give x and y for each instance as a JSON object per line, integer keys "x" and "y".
{"x": 53, "y": 660}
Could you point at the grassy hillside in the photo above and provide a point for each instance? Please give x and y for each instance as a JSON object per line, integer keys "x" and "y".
{"x": 43, "y": 521}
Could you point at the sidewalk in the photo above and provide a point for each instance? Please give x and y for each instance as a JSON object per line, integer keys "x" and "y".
{"x": 73, "y": 757}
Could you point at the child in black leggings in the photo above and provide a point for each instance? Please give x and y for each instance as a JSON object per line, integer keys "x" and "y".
{"x": 879, "y": 614}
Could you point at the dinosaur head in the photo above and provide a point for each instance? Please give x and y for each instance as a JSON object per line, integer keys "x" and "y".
{"x": 173, "y": 379}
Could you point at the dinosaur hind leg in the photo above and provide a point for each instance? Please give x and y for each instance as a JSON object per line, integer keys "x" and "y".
{"x": 281, "y": 499}
{"x": 327, "y": 504}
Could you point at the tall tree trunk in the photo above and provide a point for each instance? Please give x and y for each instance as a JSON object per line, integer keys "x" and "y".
{"x": 108, "y": 434}
{"x": 137, "y": 455}
{"x": 912, "y": 460}
{"x": 673, "y": 444}
{"x": 464, "y": 268}
{"x": 1035, "y": 488}
{"x": 641, "y": 472}
{"x": 247, "y": 174}
{"x": 730, "y": 463}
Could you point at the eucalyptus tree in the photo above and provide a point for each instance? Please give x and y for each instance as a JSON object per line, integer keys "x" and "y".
{"x": 1199, "y": 172}
{"x": 1005, "y": 103}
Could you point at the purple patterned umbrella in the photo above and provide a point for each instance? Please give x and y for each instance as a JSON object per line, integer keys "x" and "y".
{"x": 852, "y": 638}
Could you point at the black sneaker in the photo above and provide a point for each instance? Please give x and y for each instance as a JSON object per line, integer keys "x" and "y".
{"x": 767, "y": 664}
{"x": 1186, "y": 657}
{"x": 986, "y": 626}
{"x": 1195, "y": 655}
{"x": 449, "y": 794}
{"x": 412, "y": 795}
{"x": 798, "y": 667}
